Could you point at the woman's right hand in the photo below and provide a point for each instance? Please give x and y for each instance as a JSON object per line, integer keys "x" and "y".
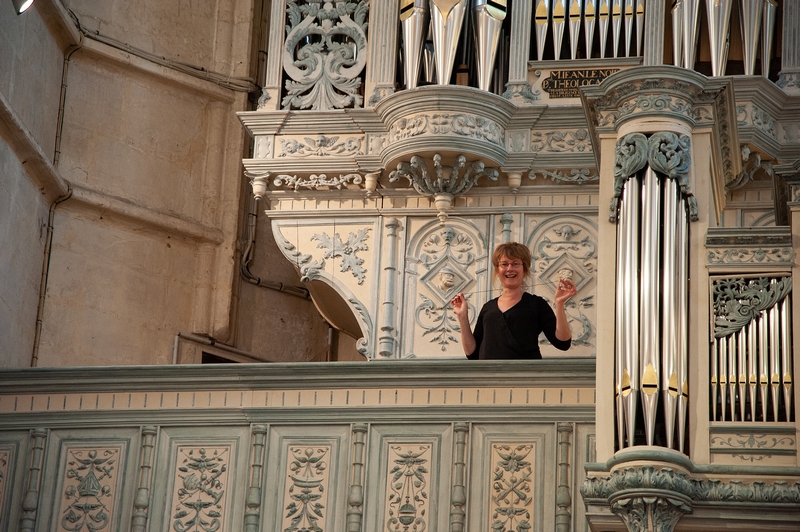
{"x": 461, "y": 307}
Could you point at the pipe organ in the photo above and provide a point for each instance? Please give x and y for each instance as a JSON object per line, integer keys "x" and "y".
{"x": 652, "y": 208}
{"x": 751, "y": 358}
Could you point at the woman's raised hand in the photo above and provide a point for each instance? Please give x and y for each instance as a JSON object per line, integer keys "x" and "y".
{"x": 459, "y": 304}
{"x": 565, "y": 291}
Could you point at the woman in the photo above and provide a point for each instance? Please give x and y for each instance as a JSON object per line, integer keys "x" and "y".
{"x": 508, "y": 327}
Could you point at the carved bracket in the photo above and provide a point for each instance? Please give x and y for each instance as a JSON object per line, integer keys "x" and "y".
{"x": 445, "y": 182}
{"x": 666, "y": 152}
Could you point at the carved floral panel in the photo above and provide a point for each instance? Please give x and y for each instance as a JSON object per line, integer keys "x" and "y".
{"x": 199, "y": 497}
{"x": 91, "y": 484}
{"x": 443, "y": 261}
{"x": 408, "y": 481}
{"x": 305, "y": 499}
{"x": 567, "y": 242}
{"x": 512, "y": 483}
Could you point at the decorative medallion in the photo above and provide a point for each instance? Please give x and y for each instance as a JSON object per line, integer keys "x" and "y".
{"x": 320, "y": 146}
{"x": 408, "y": 479}
{"x": 320, "y": 181}
{"x": 561, "y": 141}
{"x": 578, "y": 176}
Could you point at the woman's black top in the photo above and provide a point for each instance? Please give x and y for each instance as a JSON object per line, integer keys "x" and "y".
{"x": 514, "y": 334}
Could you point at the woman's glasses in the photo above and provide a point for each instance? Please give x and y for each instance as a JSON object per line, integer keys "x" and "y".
{"x": 506, "y": 265}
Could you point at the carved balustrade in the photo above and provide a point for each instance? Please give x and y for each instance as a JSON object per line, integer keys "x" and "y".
{"x": 399, "y": 446}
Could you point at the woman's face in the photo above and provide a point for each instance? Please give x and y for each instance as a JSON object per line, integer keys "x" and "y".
{"x": 511, "y": 272}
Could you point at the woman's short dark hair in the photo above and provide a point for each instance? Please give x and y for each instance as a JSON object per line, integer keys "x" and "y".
{"x": 513, "y": 251}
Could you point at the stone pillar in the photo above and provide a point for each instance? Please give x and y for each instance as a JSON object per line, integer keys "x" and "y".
{"x": 518, "y": 90}
{"x": 789, "y": 78}
{"x": 388, "y": 334}
{"x": 30, "y": 502}
{"x": 382, "y": 48}
{"x": 458, "y": 499}
{"x": 252, "y": 511}
{"x": 355, "y": 499}
{"x": 563, "y": 497}
{"x": 270, "y": 99}
{"x": 141, "y": 503}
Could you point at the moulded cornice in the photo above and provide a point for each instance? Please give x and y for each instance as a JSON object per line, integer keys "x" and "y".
{"x": 263, "y": 122}
{"x": 573, "y": 372}
{"x": 452, "y": 98}
{"x": 286, "y": 165}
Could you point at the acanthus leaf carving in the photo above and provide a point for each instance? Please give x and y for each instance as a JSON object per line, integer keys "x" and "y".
{"x": 346, "y": 250}
{"x": 738, "y": 301}
{"x": 324, "y": 54}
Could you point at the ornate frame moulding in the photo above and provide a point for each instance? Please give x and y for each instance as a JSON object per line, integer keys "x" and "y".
{"x": 750, "y": 248}
{"x": 447, "y": 182}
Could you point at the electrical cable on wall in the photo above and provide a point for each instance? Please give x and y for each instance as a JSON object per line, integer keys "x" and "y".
{"x": 237, "y": 84}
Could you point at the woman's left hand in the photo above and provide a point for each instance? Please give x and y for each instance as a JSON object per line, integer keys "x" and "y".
{"x": 565, "y": 291}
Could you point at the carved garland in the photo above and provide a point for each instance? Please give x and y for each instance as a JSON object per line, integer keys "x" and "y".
{"x": 667, "y": 153}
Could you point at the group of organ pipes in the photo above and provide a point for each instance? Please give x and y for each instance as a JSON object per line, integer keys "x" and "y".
{"x": 751, "y": 375}
{"x": 652, "y": 312}
{"x": 432, "y": 29}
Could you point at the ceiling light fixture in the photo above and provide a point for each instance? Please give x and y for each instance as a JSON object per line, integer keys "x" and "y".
{"x": 20, "y": 6}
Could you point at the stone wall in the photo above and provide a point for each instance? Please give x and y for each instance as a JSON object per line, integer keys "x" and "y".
{"x": 148, "y": 144}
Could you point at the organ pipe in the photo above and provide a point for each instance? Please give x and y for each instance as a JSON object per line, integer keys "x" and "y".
{"x": 767, "y": 33}
{"x": 750, "y": 25}
{"x": 541, "y": 21}
{"x": 604, "y": 17}
{"x": 412, "y": 19}
{"x": 649, "y": 300}
{"x": 616, "y": 24}
{"x": 669, "y": 318}
{"x": 677, "y": 33}
{"x": 447, "y": 19}
{"x": 488, "y": 22}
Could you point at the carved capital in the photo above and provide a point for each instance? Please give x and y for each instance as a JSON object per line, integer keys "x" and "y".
{"x": 650, "y": 514}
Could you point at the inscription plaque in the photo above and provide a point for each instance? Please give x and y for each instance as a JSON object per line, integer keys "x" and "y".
{"x": 566, "y": 83}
